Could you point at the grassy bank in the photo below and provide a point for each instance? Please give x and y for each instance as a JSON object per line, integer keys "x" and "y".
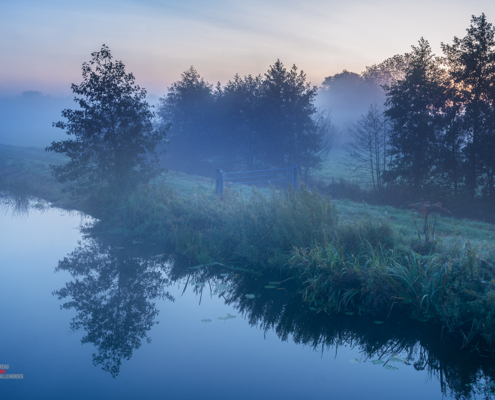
{"x": 26, "y": 171}
{"x": 348, "y": 257}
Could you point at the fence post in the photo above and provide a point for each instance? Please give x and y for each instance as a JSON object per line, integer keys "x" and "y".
{"x": 219, "y": 182}
{"x": 293, "y": 180}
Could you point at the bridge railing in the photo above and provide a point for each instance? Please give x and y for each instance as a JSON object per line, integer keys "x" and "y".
{"x": 277, "y": 177}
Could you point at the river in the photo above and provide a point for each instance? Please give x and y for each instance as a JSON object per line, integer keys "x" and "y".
{"x": 104, "y": 316}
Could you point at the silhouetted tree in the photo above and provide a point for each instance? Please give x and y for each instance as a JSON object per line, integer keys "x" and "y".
{"x": 112, "y": 137}
{"x": 453, "y": 136}
{"x": 190, "y": 108}
{"x": 290, "y": 134}
{"x": 475, "y": 54}
{"x": 251, "y": 122}
{"x": 240, "y": 135}
{"x": 388, "y": 71}
{"x": 412, "y": 110}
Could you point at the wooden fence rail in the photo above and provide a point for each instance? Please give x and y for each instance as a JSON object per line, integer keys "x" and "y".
{"x": 278, "y": 177}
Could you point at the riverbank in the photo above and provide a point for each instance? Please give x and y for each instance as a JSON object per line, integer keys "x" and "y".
{"x": 348, "y": 257}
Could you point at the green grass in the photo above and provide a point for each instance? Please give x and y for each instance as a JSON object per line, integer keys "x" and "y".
{"x": 31, "y": 167}
{"x": 337, "y": 167}
{"x": 406, "y": 224}
{"x": 26, "y": 170}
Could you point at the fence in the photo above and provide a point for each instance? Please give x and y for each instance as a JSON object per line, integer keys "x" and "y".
{"x": 279, "y": 177}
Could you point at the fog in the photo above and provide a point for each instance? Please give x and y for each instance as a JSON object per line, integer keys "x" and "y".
{"x": 26, "y": 120}
{"x": 347, "y": 95}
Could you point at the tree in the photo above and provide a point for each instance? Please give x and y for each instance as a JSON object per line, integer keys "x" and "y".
{"x": 251, "y": 122}
{"x": 112, "y": 294}
{"x": 389, "y": 71}
{"x": 287, "y": 124}
{"x": 369, "y": 146}
{"x": 189, "y": 107}
{"x": 240, "y": 137}
{"x": 113, "y": 141}
{"x": 453, "y": 135}
{"x": 475, "y": 54}
{"x": 412, "y": 110}
{"x": 348, "y": 95}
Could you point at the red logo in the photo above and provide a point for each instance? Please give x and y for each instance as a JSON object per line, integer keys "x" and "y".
{"x": 2, "y": 371}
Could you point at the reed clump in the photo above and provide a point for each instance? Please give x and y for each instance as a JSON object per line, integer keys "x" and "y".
{"x": 457, "y": 291}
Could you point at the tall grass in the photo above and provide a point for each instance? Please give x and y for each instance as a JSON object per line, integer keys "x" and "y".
{"x": 259, "y": 230}
{"x": 453, "y": 290}
{"x": 358, "y": 265}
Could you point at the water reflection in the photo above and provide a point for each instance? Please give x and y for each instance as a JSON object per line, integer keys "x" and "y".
{"x": 17, "y": 204}
{"x": 116, "y": 283}
{"x": 399, "y": 344}
{"x": 113, "y": 292}
{"x": 15, "y": 199}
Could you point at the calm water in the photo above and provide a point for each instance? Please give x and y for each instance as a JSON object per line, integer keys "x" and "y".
{"x": 102, "y": 317}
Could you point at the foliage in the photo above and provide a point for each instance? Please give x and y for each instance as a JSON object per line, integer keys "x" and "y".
{"x": 372, "y": 248}
{"x": 412, "y": 103}
{"x": 453, "y": 290}
{"x": 112, "y": 294}
{"x": 475, "y": 56}
{"x": 442, "y": 117}
{"x": 251, "y": 122}
{"x": 259, "y": 230}
{"x": 358, "y": 264}
{"x": 389, "y": 71}
{"x": 113, "y": 140}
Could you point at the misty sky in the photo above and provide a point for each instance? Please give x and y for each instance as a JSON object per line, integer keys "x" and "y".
{"x": 43, "y": 43}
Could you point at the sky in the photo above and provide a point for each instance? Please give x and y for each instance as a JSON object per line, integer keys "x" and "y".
{"x": 43, "y": 43}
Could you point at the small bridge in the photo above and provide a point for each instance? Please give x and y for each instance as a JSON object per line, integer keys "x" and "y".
{"x": 278, "y": 177}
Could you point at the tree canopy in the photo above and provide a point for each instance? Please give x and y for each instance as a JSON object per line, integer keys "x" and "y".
{"x": 112, "y": 140}
{"x": 253, "y": 122}
{"x": 412, "y": 103}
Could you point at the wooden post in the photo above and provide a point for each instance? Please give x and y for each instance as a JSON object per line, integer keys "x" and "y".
{"x": 219, "y": 182}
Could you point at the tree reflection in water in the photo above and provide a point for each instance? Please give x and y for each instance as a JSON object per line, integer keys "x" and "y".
{"x": 114, "y": 288}
{"x": 112, "y": 293}
{"x": 424, "y": 347}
